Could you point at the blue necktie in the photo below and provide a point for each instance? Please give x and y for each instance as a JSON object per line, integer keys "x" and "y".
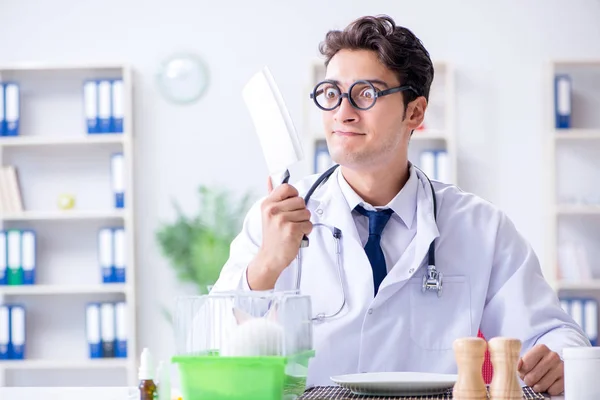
{"x": 377, "y": 221}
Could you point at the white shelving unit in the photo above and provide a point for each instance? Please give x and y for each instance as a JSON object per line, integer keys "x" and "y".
{"x": 64, "y": 364}
{"x": 57, "y": 289}
{"x": 55, "y": 155}
{"x": 573, "y": 160}
{"x": 439, "y": 125}
{"x": 65, "y": 216}
{"x": 20, "y": 141}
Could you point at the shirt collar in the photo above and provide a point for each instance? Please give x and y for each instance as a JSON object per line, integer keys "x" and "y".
{"x": 404, "y": 204}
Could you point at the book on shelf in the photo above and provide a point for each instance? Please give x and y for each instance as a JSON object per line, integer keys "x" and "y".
{"x": 10, "y": 193}
{"x": 584, "y": 311}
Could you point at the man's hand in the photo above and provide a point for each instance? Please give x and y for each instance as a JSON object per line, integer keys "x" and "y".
{"x": 542, "y": 370}
{"x": 285, "y": 220}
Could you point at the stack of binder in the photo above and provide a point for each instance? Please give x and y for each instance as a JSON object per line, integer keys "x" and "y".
{"x": 584, "y": 312}
{"x": 12, "y": 332}
{"x": 106, "y": 330}
{"x": 104, "y": 106}
{"x": 434, "y": 163}
{"x": 117, "y": 167}
{"x": 10, "y": 193}
{"x": 112, "y": 255}
{"x": 562, "y": 101}
{"x": 17, "y": 257}
{"x": 10, "y": 109}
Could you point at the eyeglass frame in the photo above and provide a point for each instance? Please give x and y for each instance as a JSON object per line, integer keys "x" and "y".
{"x": 378, "y": 94}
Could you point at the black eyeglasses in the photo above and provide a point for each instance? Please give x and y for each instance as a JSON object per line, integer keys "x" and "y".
{"x": 361, "y": 95}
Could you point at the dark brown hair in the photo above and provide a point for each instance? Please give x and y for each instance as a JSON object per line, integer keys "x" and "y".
{"x": 397, "y": 48}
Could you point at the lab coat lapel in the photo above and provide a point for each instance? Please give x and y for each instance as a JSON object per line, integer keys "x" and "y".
{"x": 416, "y": 253}
{"x": 331, "y": 208}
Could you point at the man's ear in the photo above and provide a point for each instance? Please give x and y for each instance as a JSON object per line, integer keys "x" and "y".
{"x": 415, "y": 113}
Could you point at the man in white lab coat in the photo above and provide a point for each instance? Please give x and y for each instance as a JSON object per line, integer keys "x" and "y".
{"x": 375, "y": 94}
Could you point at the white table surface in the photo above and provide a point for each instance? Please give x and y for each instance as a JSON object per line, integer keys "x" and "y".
{"x": 102, "y": 393}
{"x": 69, "y": 393}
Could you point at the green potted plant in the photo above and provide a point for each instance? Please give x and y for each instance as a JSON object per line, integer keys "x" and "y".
{"x": 197, "y": 246}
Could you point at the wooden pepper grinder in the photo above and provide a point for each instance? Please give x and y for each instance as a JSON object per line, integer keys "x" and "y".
{"x": 469, "y": 353}
{"x": 504, "y": 354}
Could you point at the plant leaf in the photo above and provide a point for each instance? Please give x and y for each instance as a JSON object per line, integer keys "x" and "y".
{"x": 197, "y": 247}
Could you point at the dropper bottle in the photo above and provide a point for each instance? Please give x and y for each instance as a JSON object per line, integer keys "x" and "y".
{"x": 146, "y": 376}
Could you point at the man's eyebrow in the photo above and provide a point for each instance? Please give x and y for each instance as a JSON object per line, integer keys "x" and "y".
{"x": 378, "y": 82}
{"x": 373, "y": 81}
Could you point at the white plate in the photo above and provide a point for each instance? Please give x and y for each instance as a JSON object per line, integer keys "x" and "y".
{"x": 396, "y": 383}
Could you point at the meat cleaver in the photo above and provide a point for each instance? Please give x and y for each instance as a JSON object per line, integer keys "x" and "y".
{"x": 273, "y": 124}
{"x": 274, "y": 127}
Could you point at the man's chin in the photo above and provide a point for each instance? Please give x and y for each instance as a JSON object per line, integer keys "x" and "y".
{"x": 349, "y": 159}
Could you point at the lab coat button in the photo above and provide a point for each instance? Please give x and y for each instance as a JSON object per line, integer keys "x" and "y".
{"x": 370, "y": 311}
{"x": 319, "y": 211}
{"x": 410, "y": 271}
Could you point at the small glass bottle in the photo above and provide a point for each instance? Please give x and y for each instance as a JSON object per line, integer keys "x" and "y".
{"x": 146, "y": 376}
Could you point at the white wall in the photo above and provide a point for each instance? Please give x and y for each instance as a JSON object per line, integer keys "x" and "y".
{"x": 499, "y": 50}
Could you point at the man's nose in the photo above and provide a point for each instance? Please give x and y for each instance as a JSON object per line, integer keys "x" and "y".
{"x": 345, "y": 112}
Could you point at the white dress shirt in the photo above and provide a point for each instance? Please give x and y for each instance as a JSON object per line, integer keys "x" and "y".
{"x": 402, "y": 226}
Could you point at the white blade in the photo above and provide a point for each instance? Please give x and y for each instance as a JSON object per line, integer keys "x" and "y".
{"x": 276, "y": 132}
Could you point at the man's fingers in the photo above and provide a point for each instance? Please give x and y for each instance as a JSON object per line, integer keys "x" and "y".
{"x": 291, "y": 209}
{"x": 298, "y": 215}
{"x": 306, "y": 227}
{"x": 284, "y": 191}
{"x": 557, "y": 387}
{"x": 542, "y": 368}
{"x": 554, "y": 374}
{"x": 292, "y": 204}
{"x": 532, "y": 358}
{"x": 269, "y": 184}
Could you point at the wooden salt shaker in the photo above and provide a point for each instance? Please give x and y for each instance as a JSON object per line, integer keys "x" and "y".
{"x": 504, "y": 354}
{"x": 469, "y": 353}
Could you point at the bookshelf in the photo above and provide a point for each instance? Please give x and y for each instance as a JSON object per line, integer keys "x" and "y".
{"x": 573, "y": 168}
{"x": 58, "y": 289}
{"x": 55, "y": 155}
{"x": 437, "y": 133}
{"x": 573, "y": 154}
{"x": 64, "y": 215}
{"x": 65, "y": 365}
{"x": 63, "y": 141}
{"x": 567, "y": 135}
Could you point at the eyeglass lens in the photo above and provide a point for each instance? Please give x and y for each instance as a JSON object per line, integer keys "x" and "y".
{"x": 362, "y": 95}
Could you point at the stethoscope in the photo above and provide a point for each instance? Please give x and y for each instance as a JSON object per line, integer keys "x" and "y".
{"x": 432, "y": 279}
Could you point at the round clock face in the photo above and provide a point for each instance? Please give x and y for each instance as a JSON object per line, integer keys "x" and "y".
{"x": 182, "y": 78}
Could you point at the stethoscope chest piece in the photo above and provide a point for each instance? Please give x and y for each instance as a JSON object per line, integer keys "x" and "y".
{"x": 432, "y": 280}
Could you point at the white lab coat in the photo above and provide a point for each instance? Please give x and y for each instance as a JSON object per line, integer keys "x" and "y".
{"x": 491, "y": 281}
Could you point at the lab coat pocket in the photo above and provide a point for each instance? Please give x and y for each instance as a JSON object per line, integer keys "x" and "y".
{"x": 435, "y": 322}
